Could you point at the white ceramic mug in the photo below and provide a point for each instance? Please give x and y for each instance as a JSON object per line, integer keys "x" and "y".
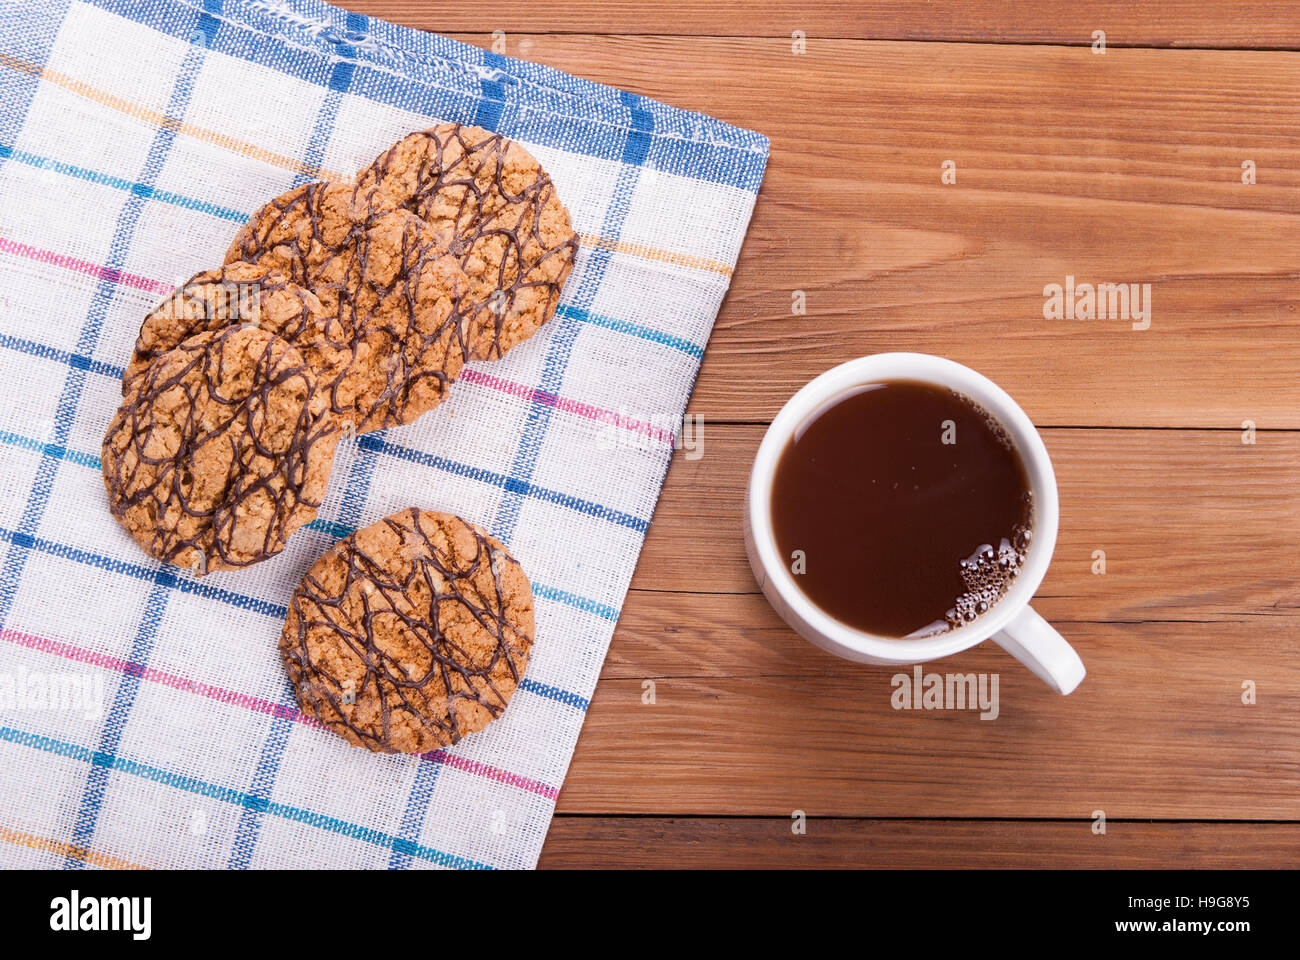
{"x": 1011, "y": 622}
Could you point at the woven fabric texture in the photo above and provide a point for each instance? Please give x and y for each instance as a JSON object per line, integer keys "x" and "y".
{"x": 145, "y": 717}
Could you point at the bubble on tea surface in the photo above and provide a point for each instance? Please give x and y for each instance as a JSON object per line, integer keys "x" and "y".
{"x": 987, "y": 575}
{"x": 988, "y": 572}
{"x": 994, "y": 426}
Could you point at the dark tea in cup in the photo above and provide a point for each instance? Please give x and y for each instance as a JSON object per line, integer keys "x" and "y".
{"x": 902, "y": 508}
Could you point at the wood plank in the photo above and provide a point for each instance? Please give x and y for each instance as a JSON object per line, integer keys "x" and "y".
{"x": 650, "y": 843}
{"x": 1123, "y": 167}
{"x": 1117, "y": 168}
{"x": 1157, "y": 729}
{"x": 1177, "y": 23}
{"x": 1194, "y": 524}
{"x": 1198, "y": 596}
{"x": 721, "y": 635}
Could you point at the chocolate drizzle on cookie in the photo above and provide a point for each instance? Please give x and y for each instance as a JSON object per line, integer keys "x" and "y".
{"x": 388, "y": 283}
{"x": 409, "y": 634}
{"x": 221, "y": 449}
{"x": 417, "y": 332}
{"x": 511, "y": 233}
{"x": 347, "y": 307}
{"x": 234, "y": 294}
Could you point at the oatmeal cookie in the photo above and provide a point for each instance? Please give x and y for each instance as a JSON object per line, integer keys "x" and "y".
{"x": 387, "y": 282}
{"x": 410, "y": 633}
{"x": 248, "y": 293}
{"x": 221, "y": 449}
{"x": 510, "y": 232}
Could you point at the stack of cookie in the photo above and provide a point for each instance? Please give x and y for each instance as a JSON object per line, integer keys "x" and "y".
{"x": 341, "y": 308}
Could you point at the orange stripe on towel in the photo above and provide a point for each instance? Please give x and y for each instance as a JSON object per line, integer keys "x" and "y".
{"x": 167, "y": 122}
{"x": 314, "y": 171}
{"x": 654, "y": 253}
{"x": 66, "y": 850}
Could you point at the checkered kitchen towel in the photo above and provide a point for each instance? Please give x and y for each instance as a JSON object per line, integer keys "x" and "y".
{"x": 145, "y": 718}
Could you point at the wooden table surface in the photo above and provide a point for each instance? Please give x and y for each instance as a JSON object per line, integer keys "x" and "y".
{"x": 1122, "y": 166}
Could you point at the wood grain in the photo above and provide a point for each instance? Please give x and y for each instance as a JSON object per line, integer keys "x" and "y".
{"x": 1195, "y": 524}
{"x": 1157, "y": 729}
{"x": 1122, "y": 167}
{"x": 1171, "y": 23}
{"x": 1117, "y": 168}
{"x": 1199, "y": 594}
{"x": 711, "y": 843}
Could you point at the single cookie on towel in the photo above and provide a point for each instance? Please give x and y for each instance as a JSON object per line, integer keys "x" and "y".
{"x": 221, "y": 449}
{"x": 511, "y": 233}
{"x": 387, "y": 283}
{"x": 248, "y": 293}
{"x": 410, "y": 633}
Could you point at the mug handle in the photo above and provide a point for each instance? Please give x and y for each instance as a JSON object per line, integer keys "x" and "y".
{"x": 1032, "y": 640}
